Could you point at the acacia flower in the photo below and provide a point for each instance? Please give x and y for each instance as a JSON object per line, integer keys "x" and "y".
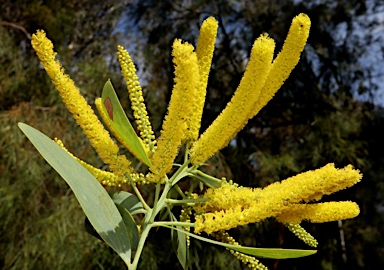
{"x": 228, "y": 196}
{"x": 180, "y": 106}
{"x": 319, "y": 212}
{"x": 302, "y": 234}
{"x": 260, "y": 82}
{"x": 285, "y": 61}
{"x": 231, "y": 207}
{"x": 78, "y": 106}
{"x": 235, "y": 115}
{"x": 137, "y": 101}
{"x": 204, "y": 52}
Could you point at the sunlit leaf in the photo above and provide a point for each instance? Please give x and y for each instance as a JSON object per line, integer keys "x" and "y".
{"x": 120, "y": 125}
{"x": 93, "y": 198}
{"x": 271, "y": 253}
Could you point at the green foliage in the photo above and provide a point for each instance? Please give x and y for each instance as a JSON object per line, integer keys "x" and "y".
{"x": 42, "y": 222}
{"x": 93, "y": 198}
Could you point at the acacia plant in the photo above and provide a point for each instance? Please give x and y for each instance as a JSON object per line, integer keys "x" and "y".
{"x": 208, "y": 206}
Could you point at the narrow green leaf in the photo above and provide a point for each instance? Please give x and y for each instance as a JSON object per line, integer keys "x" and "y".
{"x": 93, "y": 198}
{"x": 209, "y": 182}
{"x": 120, "y": 124}
{"x": 271, "y": 253}
{"x": 128, "y": 201}
{"x": 179, "y": 244}
{"x": 131, "y": 226}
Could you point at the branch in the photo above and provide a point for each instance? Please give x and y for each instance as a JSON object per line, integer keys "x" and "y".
{"x": 14, "y": 25}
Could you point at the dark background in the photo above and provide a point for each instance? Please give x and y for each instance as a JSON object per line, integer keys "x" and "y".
{"x": 327, "y": 111}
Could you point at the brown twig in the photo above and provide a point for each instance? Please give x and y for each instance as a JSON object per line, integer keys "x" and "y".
{"x": 14, "y": 25}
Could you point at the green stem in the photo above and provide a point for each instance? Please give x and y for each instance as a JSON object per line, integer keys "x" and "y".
{"x": 161, "y": 202}
{"x": 186, "y": 152}
{"x": 190, "y": 202}
{"x": 180, "y": 173}
{"x": 140, "y": 211}
{"x": 156, "y": 201}
{"x": 140, "y": 247}
{"x": 178, "y": 189}
{"x": 172, "y": 223}
{"x": 138, "y": 194}
{"x": 197, "y": 172}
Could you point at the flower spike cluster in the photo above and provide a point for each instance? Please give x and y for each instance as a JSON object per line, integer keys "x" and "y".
{"x": 224, "y": 205}
{"x": 235, "y": 115}
{"x": 78, "y": 106}
{"x": 285, "y": 61}
{"x": 231, "y": 206}
{"x": 260, "y": 82}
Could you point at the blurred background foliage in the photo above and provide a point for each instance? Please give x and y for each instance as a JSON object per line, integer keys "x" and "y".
{"x": 327, "y": 111}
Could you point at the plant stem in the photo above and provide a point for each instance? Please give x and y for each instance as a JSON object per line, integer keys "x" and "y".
{"x": 138, "y": 194}
{"x": 186, "y": 201}
{"x": 186, "y": 152}
{"x": 140, "y": 246}
{"x": 180, "y": 173}
{"x": 178, "y": 189}
{"x": 161, "y": 202}
{"x": 172, "y": 223}
{"x": 155, "y": 203}
{"x": 197, "y": 172}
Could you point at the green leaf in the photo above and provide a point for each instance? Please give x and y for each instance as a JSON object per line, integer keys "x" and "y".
{"x": 131, "y": 226}
{"x": 179, "y": 244}
{"x": 93, "y": 198}
{"x": 271, "y": 253}
{"x": 209, "y": 182}
{"x": 120, "y": 125}
{"x": 89, "y": 229}
{"x": 128, "y": 201}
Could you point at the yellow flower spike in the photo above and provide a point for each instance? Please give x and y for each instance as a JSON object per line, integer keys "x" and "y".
{"x": 235, "y": 115}
{"x": 228, "y": 196}
{"x": 78, "y": 106}
{"x": 180, "y": 106}
{"x": 137, "y": 101}
{"x": 243, "y": 207}
{"x": 312, "y": 185}
{"x": 105, "y": 178}
{"x": 285, "y": 61}
{"x": 319, "y": 212}
{"x": 204, "y": 51}
{"x": 302, "y": 234}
